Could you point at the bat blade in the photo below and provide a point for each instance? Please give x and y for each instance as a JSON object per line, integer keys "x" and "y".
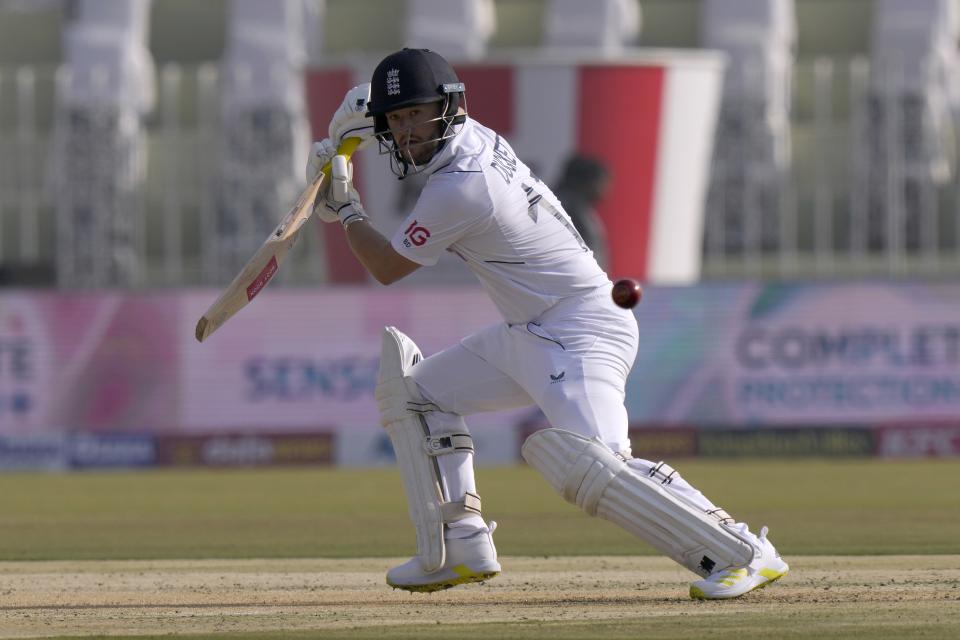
{"x": 265, "y": 263}
{"x": 201, "y": 330}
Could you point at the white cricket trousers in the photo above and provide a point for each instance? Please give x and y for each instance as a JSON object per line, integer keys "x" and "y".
{"x": 572, "y": 362}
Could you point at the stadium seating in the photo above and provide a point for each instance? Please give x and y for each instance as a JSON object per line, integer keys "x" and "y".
{"x": 817, "y": 215}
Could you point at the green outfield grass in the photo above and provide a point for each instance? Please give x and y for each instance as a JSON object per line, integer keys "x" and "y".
{"x": 811, "y": 506}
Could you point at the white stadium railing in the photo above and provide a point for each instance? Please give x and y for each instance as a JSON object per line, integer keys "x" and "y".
{"x": 846, "y": 207}
{"x": 829, "y": 219}
{"x": 171, "y": 214}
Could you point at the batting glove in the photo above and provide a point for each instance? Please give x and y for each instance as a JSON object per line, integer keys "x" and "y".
{"x": 320, "y": 154}
{"x": 342, "y": 202}
{"x": 349, "y": 121}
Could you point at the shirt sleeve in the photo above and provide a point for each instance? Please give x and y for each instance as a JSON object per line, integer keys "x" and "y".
{"x": 448, "y": 209}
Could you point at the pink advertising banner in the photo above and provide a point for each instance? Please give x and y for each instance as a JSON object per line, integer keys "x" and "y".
{"x": 803, "y": 354}
{"x": 92, "y": 362}
{"x": 296, "y": 360}
{"x": 305, "y": 361}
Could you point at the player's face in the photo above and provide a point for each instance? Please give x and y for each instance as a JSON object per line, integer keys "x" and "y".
{"x": 416, "y": 130}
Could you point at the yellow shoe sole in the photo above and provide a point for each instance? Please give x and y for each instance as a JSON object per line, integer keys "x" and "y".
{"x": 464, "y": 576}
{"x": 772, "y": 576}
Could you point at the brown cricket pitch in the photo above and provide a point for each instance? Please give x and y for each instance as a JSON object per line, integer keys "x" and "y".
{"x": 543, "y": 598}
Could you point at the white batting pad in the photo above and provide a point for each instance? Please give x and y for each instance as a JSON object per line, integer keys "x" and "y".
{"x": 587, "y": 473}
{"x": 403, "y": 412}
{"x": 408, "y": 432}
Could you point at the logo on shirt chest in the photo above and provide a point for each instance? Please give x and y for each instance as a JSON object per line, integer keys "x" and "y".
{"x": 415, "y": 235}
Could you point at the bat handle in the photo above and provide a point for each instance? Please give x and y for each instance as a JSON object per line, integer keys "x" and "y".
{"x": 346, "y": 148}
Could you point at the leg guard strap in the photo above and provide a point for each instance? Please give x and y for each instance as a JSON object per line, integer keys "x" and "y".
{"x": 460, "y": 509}
{"x": 448, "y": 443}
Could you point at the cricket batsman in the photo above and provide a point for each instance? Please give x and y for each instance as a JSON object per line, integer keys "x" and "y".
{"x": 563, "y": 344}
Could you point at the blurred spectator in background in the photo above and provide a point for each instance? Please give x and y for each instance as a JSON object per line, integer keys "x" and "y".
{"x": 583, "y": 182}
{"x": 752, "y": 151}
{"x": 905, "y": 154}
{"x": 264, "y": 128}
{"x": 99, "y": 159}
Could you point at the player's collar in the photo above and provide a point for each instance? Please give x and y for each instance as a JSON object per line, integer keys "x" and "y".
{"x": 449, "y": 150}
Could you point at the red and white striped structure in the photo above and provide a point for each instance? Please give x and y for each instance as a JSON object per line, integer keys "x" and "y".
{"x": 650, "y": 117}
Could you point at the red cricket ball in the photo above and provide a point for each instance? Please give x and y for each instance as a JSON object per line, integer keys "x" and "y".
{"x": 627, "y": 293}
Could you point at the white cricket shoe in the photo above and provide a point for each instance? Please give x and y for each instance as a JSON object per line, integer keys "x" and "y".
{"x": 471, "y": 559}
{"x": 733, "y": 582}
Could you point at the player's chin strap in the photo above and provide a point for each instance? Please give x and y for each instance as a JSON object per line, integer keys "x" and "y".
{"x": 587, "y": 473}
{"x": 402, "y": 413}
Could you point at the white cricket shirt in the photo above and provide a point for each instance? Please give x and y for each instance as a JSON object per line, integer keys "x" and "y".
{"x": 483, "y": 204}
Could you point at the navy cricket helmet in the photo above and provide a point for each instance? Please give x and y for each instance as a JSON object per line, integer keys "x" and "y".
{"x": 410, "y": 77}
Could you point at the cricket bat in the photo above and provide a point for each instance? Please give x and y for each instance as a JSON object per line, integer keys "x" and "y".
{"x": 266, "y": 261}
